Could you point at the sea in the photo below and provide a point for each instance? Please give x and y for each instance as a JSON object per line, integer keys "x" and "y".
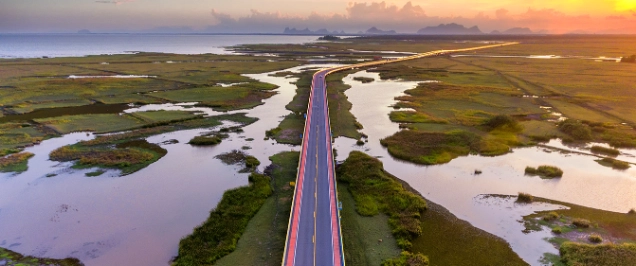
{"x": 77, "y": 45}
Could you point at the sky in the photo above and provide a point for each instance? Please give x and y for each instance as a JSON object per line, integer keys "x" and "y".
{"x": 272, "y": 16}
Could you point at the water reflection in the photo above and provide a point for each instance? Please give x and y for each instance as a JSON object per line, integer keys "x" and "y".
{"x": 136, "y": 219}
{"x": 455, "y": 186}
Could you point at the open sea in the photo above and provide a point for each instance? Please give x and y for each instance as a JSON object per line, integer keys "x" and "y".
{"x": 74, "y": 45}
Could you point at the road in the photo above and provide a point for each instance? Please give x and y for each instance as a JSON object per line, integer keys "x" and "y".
{"x": 313, "y": 235}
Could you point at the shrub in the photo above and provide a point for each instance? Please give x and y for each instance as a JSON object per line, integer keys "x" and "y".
{"x": 546, "y": 171}
{"x": 551, "y": 216}
{"x": 218, "y": 235}
{"x": 593, "y": 255}
{"x": 205, "y": 141}
{"x": 557, "y": 230}
{"x": 407, "y": 259}
{"x": 616, "y": 164}
{"x": 606, "y": 151}
{"x": 524, "y": 198}
{"x": 503, "y": 122}
{"x": 359, "y": 142}
{"x": 375, "y": 191}
{"x": 251, "y": 162}
{"x": 581, "y": 223}
{"x": 632, "y": 211}
{"x": 576, "y": 129}
{"x": 594, "y": 238}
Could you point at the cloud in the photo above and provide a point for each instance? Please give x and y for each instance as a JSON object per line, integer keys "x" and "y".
{"x": 114, "y": 2}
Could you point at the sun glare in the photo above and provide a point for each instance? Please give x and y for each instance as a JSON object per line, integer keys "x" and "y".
{"x": 625, "y": 5}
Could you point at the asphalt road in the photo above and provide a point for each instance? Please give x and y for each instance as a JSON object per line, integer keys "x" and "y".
{"x": 313, "y": 235}
{"x": 314, "y": 231}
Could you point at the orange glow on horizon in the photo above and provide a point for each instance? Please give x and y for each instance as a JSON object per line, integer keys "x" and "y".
{"x": 626, "y": 5}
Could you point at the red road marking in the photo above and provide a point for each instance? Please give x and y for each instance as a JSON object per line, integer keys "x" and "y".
{"x": 291, "y": 252}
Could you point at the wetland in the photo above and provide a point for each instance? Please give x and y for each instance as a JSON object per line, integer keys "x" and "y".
{"x": 454, "y": 134}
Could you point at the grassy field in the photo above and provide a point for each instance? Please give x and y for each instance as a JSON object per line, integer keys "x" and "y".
{"x": 443, "y": 238}
{"x": 343, "y": 123}
{"x": 219, "y": 234}
{"x": 263, "y": 241}
{"x": 129, "y": 156}
{"x": 16, "y": 162}
{"x": 577, "y": 223}
{"x": 13, "y": 258}
{"x": 290, "y": 130}
{"x": 367, "y": 239}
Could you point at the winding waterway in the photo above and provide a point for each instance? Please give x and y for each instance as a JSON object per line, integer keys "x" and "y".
{"x": 136, "y": 219}
{"x": 455, "y": 186}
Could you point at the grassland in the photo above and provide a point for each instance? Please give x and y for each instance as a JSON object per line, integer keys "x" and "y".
{"x": 129, "y": 156}
{"x": 37, "y": 83}
{"x": 545, "y": 171}
{"x": 130, "y": 152}
{"x": 263, "y": 241}
{"x": 572, "y": 228}
{"x": 9, "y": 258}
{"x": 290, "y": 130}
{"x": 219, "y": 234}
{"x": 343, "y": 123}
{"x": 433, "y": 231}
{"x": 16, "y": 162}
{"x": 608, "y": 254}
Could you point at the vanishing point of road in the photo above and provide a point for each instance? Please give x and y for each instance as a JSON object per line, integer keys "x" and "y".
{"x": 313, "y": 234}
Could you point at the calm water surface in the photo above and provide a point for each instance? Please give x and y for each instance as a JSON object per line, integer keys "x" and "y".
{"x": 455, "y": 186}
{"x": 73, "y": 45}
{"x": 136, "y": 219}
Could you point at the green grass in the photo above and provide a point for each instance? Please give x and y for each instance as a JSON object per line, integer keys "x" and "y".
{"x": 289, "y": 131}
{"x": 98, "y": 123}
{"x": 545, "y": 171}
{"x": 129, "y": 156}
{"x": 263, "y": 241}
{"x": 163, "y": 116}
{"x": 219, "y": 234}
{"x": 236, "y": 97}
{"x": 13, "y": 258}
{"x": 525, "y": 198}
{"x": 237, "y": 157}
{"x": 95, "y": 173}
{"x": 367, "y": 239}
{"x": 616, "y": 164}
{"x": 16, "y": 162}
{"x": 412, "y": 117}
{"x": 430, "y": 148}
{"x": 364, "y": 79}
{"x": 376, "y": 192}
{"x": 26, "y": 107}
{"x": 605, "y": 151}
{"x": 443, "y": 238}
{"x": 17, "y": 135}
{"x": 205, "y": 140}
{"x": 343, "y": 123}
{"x": 609, "y": 254}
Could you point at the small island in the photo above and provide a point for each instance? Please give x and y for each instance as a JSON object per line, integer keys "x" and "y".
{"x": 329, "y": 38}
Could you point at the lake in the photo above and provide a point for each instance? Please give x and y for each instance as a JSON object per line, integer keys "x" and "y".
{"x": 74, "y": 45}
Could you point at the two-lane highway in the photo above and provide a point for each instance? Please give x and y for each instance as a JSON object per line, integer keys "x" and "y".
{"x": 313, "y": 234}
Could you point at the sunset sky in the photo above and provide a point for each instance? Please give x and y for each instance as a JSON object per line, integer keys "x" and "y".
{"x": 272, "y": 16}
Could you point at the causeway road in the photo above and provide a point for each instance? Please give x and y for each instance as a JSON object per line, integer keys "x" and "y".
{"x": 314, "y": 236}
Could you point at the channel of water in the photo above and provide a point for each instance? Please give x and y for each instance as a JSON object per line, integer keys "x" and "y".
{"x": 455, "y": 186}
{"x": 136, "y": 219}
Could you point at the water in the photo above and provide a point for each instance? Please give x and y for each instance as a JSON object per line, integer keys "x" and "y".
{"x": 457, "y": 188}
{"x": 136, "y": 219}
{"x": 73, "y": 45}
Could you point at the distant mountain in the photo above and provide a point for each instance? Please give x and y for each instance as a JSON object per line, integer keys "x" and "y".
{"x": 518, "y": 31}
{"x": 84, "y": 31}
{"x": 376, "y": 31}
{"x": 449, "y": 29}
{"x": 307, "y": 31}
{"x": 495, "y": 32}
